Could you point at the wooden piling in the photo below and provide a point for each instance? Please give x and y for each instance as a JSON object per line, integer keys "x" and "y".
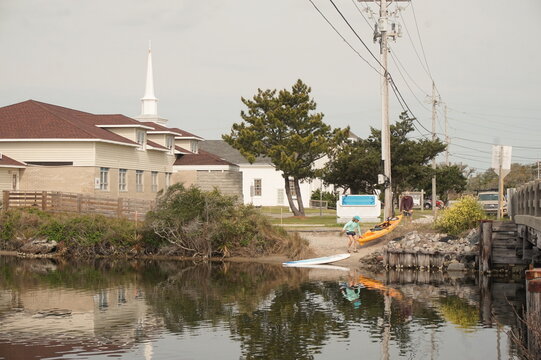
{"x": 533, "y": 310}
{"x": 485, "y": 247}
{"x": 485, "y": 295}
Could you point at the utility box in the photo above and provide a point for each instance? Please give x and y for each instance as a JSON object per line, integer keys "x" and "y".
{"x": 368, "y": 207}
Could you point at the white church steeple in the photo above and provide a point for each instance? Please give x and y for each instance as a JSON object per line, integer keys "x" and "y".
{"x": 149, "y": 102}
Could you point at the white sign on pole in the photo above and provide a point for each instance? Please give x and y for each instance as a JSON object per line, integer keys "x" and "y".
{"x": 501, "y": 155}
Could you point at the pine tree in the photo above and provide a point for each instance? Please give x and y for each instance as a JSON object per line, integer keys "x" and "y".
{"x": 282, "y": 126}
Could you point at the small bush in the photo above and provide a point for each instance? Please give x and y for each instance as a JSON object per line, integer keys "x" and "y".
{"x": 462, "y": 216}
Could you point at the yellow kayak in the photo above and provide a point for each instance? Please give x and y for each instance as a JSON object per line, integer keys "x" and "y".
{"x": 374, "y": 284}
{"x": 379, "y": 230}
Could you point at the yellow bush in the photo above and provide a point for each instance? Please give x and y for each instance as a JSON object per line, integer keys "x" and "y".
{"x": 462, "y": 216}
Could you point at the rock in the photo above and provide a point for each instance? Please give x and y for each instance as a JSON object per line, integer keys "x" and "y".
{"x": 38, "y": 246}
{"x": 456, "y": 266}
{"x": 473, "y": 236}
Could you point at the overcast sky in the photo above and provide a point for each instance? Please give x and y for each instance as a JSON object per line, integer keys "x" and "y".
{"x": 90, "y": 55}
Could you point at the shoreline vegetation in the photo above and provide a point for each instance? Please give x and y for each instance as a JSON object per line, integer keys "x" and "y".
{"x": 187, "y": 223}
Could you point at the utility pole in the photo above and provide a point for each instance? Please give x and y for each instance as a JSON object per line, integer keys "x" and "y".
{"x": 384, "y": 30}
{"x": 434, "y": 103}
{"x": 385, "y": 132}
{"x": 446, "y": 138}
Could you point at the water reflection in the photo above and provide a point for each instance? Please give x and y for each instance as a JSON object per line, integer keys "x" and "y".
{"x": 150, "y": 310}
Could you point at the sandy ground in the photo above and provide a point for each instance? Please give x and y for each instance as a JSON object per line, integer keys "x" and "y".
{"x": 330, "y": 243}
{"x": 325, "y": 243}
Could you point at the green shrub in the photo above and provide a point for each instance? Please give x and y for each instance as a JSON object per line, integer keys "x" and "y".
{"x": 330, "y": 197}
{"x": 208, "y": 223}
{"x": 462, "y": 216}
{"x": 77, "y": 234}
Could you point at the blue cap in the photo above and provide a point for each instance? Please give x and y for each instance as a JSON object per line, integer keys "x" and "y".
{"x": 356, "y": 217}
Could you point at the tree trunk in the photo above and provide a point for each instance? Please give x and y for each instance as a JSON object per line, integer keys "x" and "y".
{"x": 299, "y": 196}
{"x": 289, "y": 197}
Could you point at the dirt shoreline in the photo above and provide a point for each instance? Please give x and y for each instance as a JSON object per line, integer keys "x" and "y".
{"x": 322, "y": 243}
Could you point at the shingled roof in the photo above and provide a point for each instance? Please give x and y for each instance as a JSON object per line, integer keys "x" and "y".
{"x": 229, "y": 153}
{"x": 36, "y": 120}
{"x": 202, "y": 158}
{"x": 186, "y": 134}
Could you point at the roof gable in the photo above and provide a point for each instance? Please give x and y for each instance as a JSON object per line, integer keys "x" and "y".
{"x": 6, "y": 161}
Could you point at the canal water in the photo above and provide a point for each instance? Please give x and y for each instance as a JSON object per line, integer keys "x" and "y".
{"x": 184, "y": 310}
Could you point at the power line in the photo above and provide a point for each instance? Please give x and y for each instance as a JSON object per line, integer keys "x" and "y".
{"x": 343, "y": 38}
{"x": 420, "y": 40}
{"x": 495, "y": 115}
{"x": 357, "y": 35}
{"x": 427, "y": 71}
{"x": 400, "y": 72}
{"x": 488, "y": 143}
{"x": 360, "y": 12}
{"x": 395, "y": 57}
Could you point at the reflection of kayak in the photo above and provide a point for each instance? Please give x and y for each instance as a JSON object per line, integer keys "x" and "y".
{"x": 379, "y": 230}
{"x": 374, "y": 284}
{"x": 316, "y": 261}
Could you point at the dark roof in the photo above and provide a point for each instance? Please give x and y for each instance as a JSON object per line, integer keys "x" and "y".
{"x": 156, "y": 145}
{"x": 182, "y": 150}
{"x": 228, "y": 152}
{"x": 6, "y": 161}
{"x": 184, "y": 133}
{"x": 202, "y": 158}
{"x": 36, "y": 120}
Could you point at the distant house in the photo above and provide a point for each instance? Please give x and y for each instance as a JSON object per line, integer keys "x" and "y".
{"x": 262, "y": 184}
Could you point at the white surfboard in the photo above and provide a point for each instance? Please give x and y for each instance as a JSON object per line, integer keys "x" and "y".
{"x": 320, "y": 267}
{"x": 317, "y": 261}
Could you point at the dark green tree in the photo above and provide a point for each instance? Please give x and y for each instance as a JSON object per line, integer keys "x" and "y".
{"x": 282, "y": 126}
{"x": 356, "y": 165}
{"x": 488, "y": 180}
{"x": 449, "y": 178}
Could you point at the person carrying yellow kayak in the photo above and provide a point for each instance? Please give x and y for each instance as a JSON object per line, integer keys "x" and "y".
{"x": 352, "y": 230}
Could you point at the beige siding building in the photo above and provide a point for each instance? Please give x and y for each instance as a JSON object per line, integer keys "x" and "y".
{"x": 47, "y": 147}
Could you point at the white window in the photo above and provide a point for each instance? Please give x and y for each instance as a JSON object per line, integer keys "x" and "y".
{"x": 169, "y": 143}
{"x": 257, "y": 187}
{"x": 139, "y": 180}
{"x": 194, "y": 147}
{"x": 280, "y": 196}
{"x": 154, "y": 177}
{"x": 140, "y": 136}
{"x": 104, "y": 178}
{"x": 167, "y": 180}
{"x": 122, "y": 180}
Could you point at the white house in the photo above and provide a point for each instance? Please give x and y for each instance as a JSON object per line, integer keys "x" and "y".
{"x": 262, "y": 184}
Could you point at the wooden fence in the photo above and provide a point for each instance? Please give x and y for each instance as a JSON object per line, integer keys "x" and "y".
{"x": 55, "y": 201}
